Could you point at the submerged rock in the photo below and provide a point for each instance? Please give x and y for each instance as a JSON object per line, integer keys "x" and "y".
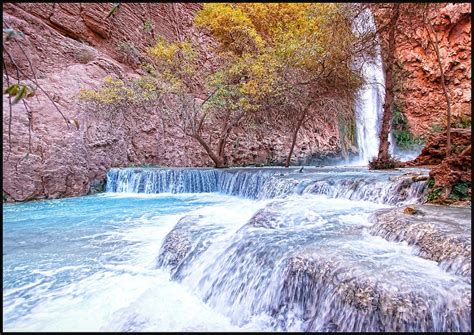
{"x": 284, "y": 214}
{"x": 441, "y": 234}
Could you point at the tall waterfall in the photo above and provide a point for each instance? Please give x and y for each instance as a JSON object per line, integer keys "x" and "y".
{"x": 369, "y": 107}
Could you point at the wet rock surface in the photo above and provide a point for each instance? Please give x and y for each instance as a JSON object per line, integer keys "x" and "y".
{"x": 328, "y": 276}
{"x": 190, "y": 237}
{"x": 439, "y": 233}
{"x": 420, "y": 94}
{"x": 177, "y": 243}
{"x": 277, "y": 215}
{"x": 334, "y": 295}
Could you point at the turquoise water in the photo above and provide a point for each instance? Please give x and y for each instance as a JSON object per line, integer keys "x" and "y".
{"x": 90, "y": 263}
{"x": 68, "y": 264}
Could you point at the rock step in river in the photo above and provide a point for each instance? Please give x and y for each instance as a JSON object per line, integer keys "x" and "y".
{"x": 319, "y": 264}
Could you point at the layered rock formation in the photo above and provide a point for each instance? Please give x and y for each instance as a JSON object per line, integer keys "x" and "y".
{"x": 73, "y": 46}
{"x": 451, "y": 176}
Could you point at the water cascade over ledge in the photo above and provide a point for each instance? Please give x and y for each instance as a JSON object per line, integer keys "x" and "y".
{"x": 267, "y": 183}
{"x": 240, "y": 249}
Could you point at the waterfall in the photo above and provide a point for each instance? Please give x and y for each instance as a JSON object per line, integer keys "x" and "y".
{"x": 161, "y": 180}
{"x": 369, "y": 106}
{"x": 269, "y": 183}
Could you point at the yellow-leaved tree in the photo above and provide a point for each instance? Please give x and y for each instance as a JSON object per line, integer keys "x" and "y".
{"x": 296, "y": 56}
{"x": 271, "y": 61}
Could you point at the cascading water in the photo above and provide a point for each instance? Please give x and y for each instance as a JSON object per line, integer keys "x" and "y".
{"x": 245, "y": 249}
{"x": 369, "y": 106}
{"x": 268, "y": 183}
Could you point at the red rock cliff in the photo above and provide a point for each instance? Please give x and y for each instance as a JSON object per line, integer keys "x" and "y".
{"x": 418, "y": 79}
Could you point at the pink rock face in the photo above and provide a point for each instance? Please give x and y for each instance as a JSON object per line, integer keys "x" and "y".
{"x": 74, "y": 46}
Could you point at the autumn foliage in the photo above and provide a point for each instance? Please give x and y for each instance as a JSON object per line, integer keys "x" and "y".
{"x": 270, "y": 61}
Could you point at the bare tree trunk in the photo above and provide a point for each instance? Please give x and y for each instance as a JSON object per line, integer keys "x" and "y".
{"x": 225, "y": 135}
{"x": 295, "y": 134}
{"x": 218, "y": 161}
{"x": 434, "y": 42}
{"x": 387, "y": 106}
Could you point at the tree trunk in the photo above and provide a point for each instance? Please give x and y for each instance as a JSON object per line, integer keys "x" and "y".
{"x": 218, "y": 161}
{"x": 293, "y": 141}
{"x": 434, "y": 42}
{"x": 387, "y": 106}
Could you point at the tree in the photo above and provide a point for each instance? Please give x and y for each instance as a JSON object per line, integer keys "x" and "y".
{"x": 199, "y": 97}
{"x": 383, "y": 157}
{"x": 268, "y": 61}
{"x": 418, "y": 15}
{"x": 21, "y": 86}
{"x": 295, "y": 66}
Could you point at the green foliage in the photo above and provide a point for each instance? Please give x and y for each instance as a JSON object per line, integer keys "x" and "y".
{"x": 463, "y": 121}
{"x": 19, "y": 92}
{"x": 403, "y": 137}
{"x": 347, "y": 132}
{"x": 460, "y": 191}
{"x": 434, "y": 194}
{"x": 128, "y": 50}
{"x": 118, "y": 92}
{"x": 84, "y": 55}
{"x": 438, "y": 128}
{"x": 114, "y": 9}
{"x": 430, "y": 183}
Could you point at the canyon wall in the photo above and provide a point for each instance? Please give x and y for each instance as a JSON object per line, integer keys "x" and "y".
{"x": 73, "y": 46}
{"x": 419, "y": 93}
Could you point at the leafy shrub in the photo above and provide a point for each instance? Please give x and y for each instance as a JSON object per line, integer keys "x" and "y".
{"x": 117, "y": 92}
{"x": 129, "y": 52}
{"x": 84, "y": 56}
{"x": 438, "y": 128}
{"x": 403, "y": 137}
{"x": 463, "y": 121}
{"x": 460, "y": 191}
{"x": 434, "y": 194}
{"x": 430, "y": 183}
{"x": 148, "y": 26}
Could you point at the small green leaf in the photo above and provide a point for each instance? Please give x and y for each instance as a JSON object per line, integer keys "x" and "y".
{"x": 21, "y": 94}
{"x": 12, "y": 90}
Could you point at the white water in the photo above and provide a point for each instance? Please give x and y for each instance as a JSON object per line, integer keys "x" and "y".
{"x": 369, "y": 106}
{"x": 100, "y": 263}
{"x": 387, "y": 187}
